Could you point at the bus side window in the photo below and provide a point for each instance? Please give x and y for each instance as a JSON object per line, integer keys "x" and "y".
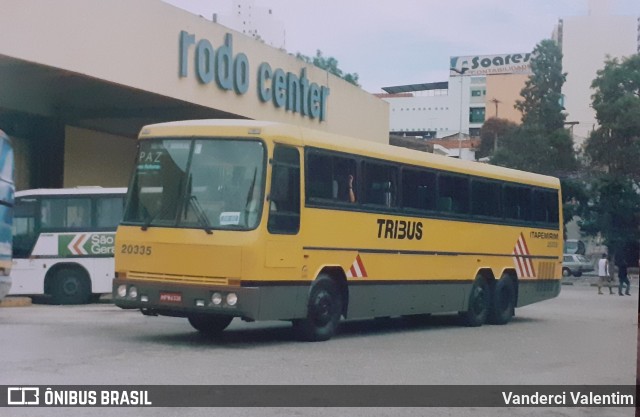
{"x": 109, "y": 211}
{"x": 380, "y": 183}
{"x": 453, "y": 193}
{"x": 517, "y": 202}
{"x": 418, "y": 189}
{"x": 60, "y": 213}
{"x": 284, "y": 213}
{"x": 79, "y": 213}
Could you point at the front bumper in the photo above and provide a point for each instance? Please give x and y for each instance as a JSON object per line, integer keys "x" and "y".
{"x": 280, "y": 302}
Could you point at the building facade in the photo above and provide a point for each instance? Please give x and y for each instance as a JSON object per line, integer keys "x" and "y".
{"x": 479, "y": 87}
{"x": 586, "y": 42}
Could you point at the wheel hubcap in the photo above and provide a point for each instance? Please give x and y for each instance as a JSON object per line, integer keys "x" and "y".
{"x": 322, "y": 309}
{"x": 70, "y": 287}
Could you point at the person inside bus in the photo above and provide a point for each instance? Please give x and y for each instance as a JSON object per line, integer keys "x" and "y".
{"x": 344, "y": 191}
{"x": 77, "y": 218}
{"x": 351, "y": 193}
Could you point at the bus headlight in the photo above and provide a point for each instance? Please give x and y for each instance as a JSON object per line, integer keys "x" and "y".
{"x": 133, "y": 292}
{"x": 216, "y": 298}
{"x": 122, "y": 291}
{"x": 232, "y": 299}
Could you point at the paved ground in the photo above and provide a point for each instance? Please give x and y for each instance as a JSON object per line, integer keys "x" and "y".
{"x": 577, "y": 338}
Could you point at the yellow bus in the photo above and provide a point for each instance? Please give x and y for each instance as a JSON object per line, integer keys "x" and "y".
{"x": 267, "y": 221}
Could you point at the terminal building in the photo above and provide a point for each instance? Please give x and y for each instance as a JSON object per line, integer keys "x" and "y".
{"x": 79, "y": 78}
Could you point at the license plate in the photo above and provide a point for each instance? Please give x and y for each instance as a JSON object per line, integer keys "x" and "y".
{"x": 171, "y": 297}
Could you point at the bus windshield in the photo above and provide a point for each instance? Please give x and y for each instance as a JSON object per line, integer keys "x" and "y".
{"x": 203, "y": 183}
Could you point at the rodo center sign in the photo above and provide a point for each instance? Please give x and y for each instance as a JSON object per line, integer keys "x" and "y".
{"x": 292, "y": 92}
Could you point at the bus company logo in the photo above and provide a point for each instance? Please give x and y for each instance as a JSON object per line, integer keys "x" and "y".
{"x": 86, "y": 244}
{"x": 76, "y": 246}
{"x": 357, "y": 269}
{"x": 23, "y": 396}
{"x": 522, "y": 259}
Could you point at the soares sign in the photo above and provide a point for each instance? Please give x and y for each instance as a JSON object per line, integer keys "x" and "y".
{"x": 292, "y": 92}
{"x": 491, "y": 64}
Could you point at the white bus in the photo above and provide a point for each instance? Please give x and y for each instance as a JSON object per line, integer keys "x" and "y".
{"x": 63, "y": 242}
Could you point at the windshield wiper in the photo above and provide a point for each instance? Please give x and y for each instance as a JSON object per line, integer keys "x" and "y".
{"x": 164, "y": 210}
{"x": 200, "y": 214}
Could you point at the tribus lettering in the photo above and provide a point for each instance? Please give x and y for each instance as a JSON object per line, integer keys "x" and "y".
{"x": 399, "y": 229}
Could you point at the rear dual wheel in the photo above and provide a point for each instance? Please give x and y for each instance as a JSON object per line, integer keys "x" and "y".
{"x": 490, "y": 305}
{"x": 478, "y": 307}
{"x": 503, "y": 301}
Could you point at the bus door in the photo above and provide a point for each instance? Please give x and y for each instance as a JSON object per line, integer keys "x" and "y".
{"x": 284, "y": 249}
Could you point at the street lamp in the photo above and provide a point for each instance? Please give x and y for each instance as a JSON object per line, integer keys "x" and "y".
{"x": 461, "y": 73}
{"x": 496, "y": 102}
{"x": 571, "y": 125}
{"x": 495, "y": 136}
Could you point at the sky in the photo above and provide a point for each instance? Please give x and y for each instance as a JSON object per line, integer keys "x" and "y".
{"x": 398, "y": 42}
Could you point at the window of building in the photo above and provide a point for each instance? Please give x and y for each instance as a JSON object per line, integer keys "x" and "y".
{"x": 476, "y": 115}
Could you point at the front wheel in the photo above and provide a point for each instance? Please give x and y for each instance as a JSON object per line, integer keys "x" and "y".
{"x": 323, "y": 311}
{"x": 566, "y": 272}
{"x": 478, "y": 308}
{"x": 209, "y": 324}
{"x": 70, "y": 286}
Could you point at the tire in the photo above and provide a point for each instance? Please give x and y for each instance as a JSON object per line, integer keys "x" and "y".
{"x": 577, "y": 274}
{"x": 324, "y": 309}
{"x": 566, "y": 272}
{"x": 503, "y": 301}
{"x": 209, "y": 324}
{"x": 479, "y": 300}
{"x": 70, "y": 286}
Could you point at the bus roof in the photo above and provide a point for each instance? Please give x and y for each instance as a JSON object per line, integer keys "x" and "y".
{"x": 296, "y": 135}
{"x": 71, "y": 191}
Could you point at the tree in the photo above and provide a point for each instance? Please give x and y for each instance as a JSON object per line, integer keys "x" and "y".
{"x": 615, "y": 146}
{"x": 329, "y": 64}
{"x": 534, "y": 150}
{"x": 492, "y": 129}
{"x": 613, "y": 154}
{"x": 542, "y": 94}
{"x": 541, "y": 144}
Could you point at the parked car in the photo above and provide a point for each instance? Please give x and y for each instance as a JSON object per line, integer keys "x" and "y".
{"x": 574, "y": 246}
{"x": 575, "y": 265}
